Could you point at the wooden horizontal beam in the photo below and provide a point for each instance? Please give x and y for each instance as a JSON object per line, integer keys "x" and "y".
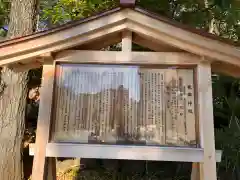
{"x": 118, "y": 57}
{"x": 33, "y": 63}
{"x": 25, "y": 67}
{"x": 225, "y": 69}
{"x": 125, "y": 152}
{"x": 153, "y": 44}
{"x": 148, "y": 58}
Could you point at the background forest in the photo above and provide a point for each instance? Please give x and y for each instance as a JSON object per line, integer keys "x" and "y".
{"x": 220, "y": 17}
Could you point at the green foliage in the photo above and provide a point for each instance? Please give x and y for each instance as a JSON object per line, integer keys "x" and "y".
{"x": 199, "y": 13}
{"x": 62, "y": 11}
{"x": 226, "y": 99}
{"x": 191, "y": 12}
{"x": 4, "y": 11}
{"x": 228, "y": 140}
{"x": 3, "y": 33}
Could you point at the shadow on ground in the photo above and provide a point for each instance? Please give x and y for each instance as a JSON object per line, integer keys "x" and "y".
{"x": 96, "y": 169}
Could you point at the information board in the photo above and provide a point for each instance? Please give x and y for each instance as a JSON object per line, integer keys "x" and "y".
{"x": 110, "y": 104}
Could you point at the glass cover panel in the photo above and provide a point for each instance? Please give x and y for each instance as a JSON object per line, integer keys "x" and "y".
{"x": 112, "y": 104}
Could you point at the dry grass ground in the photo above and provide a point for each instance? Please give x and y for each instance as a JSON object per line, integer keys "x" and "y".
{"x": 70, "y": 170}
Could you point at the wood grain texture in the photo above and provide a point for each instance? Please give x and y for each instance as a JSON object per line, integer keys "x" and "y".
{"x": 82, "y": 34}
{"x": 153, "y": 153}
{"x": 124, "y": 104}
{"x": 136, "y": 21}
{"x": 51, "y": 171}
{"x": 153, "y": 44}
{"x": 182, "y": 39}
{"x": 14, "y": 87}
{"x": 44, "y": 121}
{"x": 195, "y": 174}
{"x": 127, "y": 41}
{"x": 207, "y": 169}
{"x": 116, "y": 57}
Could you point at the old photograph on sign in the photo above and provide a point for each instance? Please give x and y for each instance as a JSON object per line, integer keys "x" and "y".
{"x": 120, "y": 104}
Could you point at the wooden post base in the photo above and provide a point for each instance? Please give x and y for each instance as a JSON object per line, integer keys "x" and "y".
{"x": 51, "y": 173}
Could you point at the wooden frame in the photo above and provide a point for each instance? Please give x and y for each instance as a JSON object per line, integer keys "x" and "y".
{"x": 151, "y": 153}
{"x": 118, "y": 57}
{"x": 205, "y": 156}
{"x": 44, "y": 123}
{"x": 130, "y": 25}
{"x": 127, "y": 41}
{"x": 206, "y": 122}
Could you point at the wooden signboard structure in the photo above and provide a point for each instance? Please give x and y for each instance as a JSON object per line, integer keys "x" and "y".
{"x": 124, "y": 104}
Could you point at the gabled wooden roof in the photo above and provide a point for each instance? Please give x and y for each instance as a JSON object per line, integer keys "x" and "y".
{"x": 105, "y": 13}
{"x": 156, "y": 31}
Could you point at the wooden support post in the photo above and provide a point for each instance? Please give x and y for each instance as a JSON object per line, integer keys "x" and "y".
{"x": 43, "y": 126}
{"x": 207, "y": 169}
{"x": 51, "y": 168}
{"x": 195, "y": 175}
{"x": 127, "y": 41}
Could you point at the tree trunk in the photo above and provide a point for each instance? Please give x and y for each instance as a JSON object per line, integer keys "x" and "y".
{"x": 13, "y": 93}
